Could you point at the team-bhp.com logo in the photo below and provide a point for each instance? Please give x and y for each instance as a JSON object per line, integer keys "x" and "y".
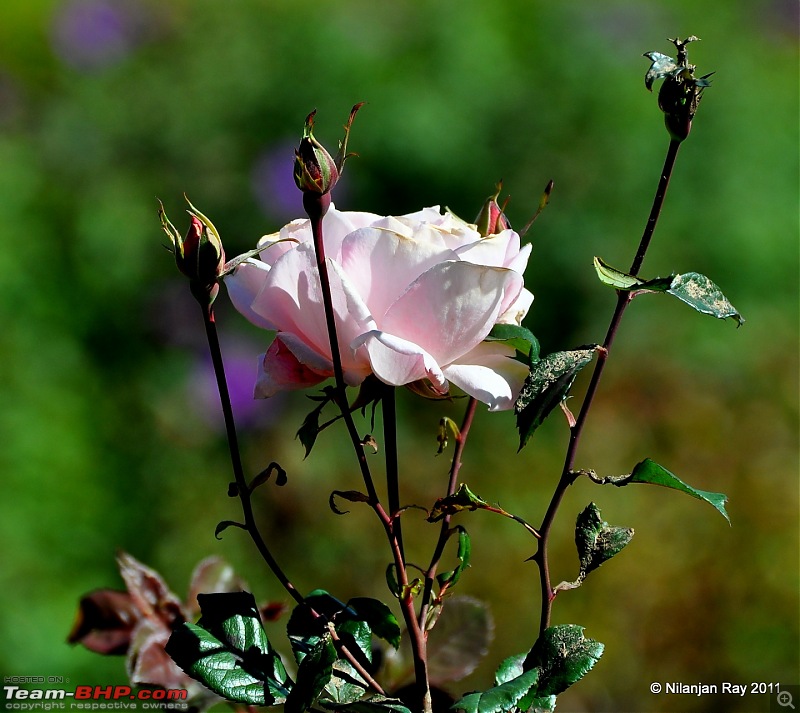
{"x": 91, "y": 698}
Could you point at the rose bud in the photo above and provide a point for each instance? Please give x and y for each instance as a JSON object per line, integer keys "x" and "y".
{"x": 492, "y": 218}
{"x": 681, "y": 91}
{"x": 200, "y": 255}
{"x": 315, "y": 171}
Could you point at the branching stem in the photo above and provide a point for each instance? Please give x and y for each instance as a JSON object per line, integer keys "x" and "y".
{"x": 316, "y": 206}
{"x": 245, "y": 494}
{"x": 455, "y": 466}
{"x": 567, "y": 475}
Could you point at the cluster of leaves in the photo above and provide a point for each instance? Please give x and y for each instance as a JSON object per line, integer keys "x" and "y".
{"x": 228, "y": 650}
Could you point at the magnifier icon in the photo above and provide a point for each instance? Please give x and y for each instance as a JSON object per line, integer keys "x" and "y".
{"x": 785, "y": 700}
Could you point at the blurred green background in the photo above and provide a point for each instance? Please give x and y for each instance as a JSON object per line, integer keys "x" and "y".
{"x": 110, "y": 430}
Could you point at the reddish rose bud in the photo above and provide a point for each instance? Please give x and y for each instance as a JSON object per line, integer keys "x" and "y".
{"x": 492, "y": 218}
{"x": 200, "y": 255}
{"x": 315, "y": 170}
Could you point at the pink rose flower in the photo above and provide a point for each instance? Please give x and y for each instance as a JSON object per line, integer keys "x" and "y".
{"x": 414, "y": 296}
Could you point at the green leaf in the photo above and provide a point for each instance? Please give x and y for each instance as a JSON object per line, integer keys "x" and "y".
{"x": 546, "y": 387}
{"x": 596, "y": 541}
{"x": 500, "y": 699}
{"x": 562, "y": 656}
{"x": 520, "y": 338}
{"x": 623, "y": 281}
{"x": 462, "y": 499}
{"x": 615, "y": 278}
{"x": 699, "y": 292}
{"x": 313, "y": 675}
{"x": 509, "y": 669}
{"x": 649, "y": 471}
{"x": 513, "y": 667}
{"x": 391, "y": 579}
{"x": 379, "y": 617}
{"x": 464, "y": 552}
{"x": 228, "y": 651}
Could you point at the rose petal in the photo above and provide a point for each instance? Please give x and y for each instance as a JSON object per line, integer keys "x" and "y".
{"x": 451, "y": 308}
{"x": 490, "y": 251}
{"x": 381, "y": 264}
{"x": 291, "y": 299}
{"x": 397, "y": 361}
{"x": 243, "y": 286}
{"x": 515, "y": 313}
{"x": 280, "y": 370}
{"x": 490, "y": 374}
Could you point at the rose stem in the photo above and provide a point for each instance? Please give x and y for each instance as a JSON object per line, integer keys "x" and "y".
{"x": 567, "y": 475}
{"x": 245, "y": 494}
{"x": 390, "y": 449}
{"x": 455, "y": 466}
{"x": 316, "y": 206}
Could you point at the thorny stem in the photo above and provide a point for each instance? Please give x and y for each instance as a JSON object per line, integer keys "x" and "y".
{"x": 316, "y": 206}
{"x": 245, "y": 494}
{"x": 567, "y": 475}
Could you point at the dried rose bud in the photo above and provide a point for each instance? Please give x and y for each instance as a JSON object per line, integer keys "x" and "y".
{"x": 681, "y": 91}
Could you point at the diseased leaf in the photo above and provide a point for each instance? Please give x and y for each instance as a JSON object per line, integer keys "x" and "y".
{"x": 229, "y": 652}
{"x": 546, "y": 387}
{"x": 500, "y": 699}
{"x": 649, "y": 471}
{"x": 699, "y": 292}
{"x": 661, "y": 67}
{"x": 562, "y": 656}
{"x": 596, "y": 540}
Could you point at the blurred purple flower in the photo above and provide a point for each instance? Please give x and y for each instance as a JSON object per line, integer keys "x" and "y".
{"x": 240, "y": 370}
{"x": 93, "y": 34}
